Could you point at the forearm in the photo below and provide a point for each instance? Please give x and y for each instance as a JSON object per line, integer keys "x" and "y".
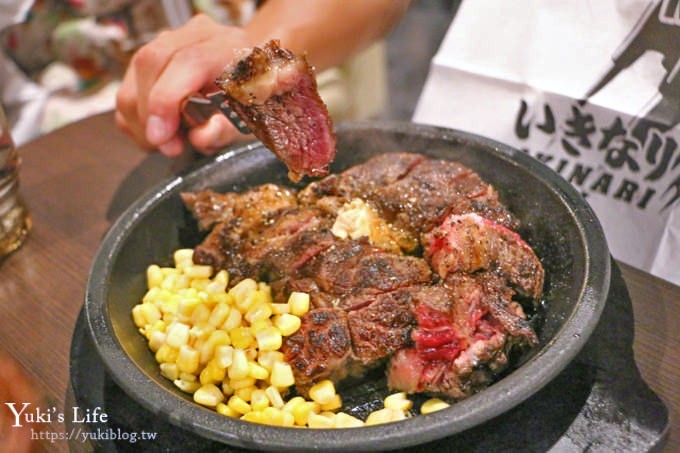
{"x": 329, "y": 31}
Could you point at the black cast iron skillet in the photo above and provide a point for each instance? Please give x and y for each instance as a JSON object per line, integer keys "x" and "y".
{"x": 556, "y": 221}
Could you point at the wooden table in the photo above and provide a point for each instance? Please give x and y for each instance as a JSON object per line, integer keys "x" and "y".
{"x": 77, "y": 180}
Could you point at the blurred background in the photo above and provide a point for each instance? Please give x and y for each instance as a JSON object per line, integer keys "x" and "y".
{"x": 62, "y": 60}
{"x": 410, "y": 48}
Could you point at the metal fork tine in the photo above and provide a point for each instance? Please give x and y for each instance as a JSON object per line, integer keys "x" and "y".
{"x": 219, "y": 100}
{"x": 198, "y": 108}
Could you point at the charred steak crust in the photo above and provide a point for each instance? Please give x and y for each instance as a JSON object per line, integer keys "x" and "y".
{"x": 445, "y": 321}
{"x": 320, "y": 349}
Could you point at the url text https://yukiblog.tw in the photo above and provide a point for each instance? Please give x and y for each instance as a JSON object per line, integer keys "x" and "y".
{"x": 84, "y": 423}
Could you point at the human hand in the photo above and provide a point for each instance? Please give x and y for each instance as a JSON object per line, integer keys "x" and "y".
{"x": 15, "y": 388}
{"x": 164, "y": 72}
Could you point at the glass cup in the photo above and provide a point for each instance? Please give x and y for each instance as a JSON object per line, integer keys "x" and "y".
{"x": 15, "y": 221}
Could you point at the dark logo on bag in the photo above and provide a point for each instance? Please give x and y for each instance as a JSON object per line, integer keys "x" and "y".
{"x": 644, "y": 147}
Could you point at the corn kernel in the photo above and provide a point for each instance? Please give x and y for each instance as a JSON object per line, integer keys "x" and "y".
{"x": 279, "y": 309}
{"x": 239, "y": 366}
{"x": 380, "y": 416}
{"x": 259, "y": 326}
{"x": 138, "y": 316}
{"x": 319, "y": 421}
{"x": 187, "y": 377}
{"x": 398, "y": 415}
{"x": 148, "y": 314}
{"x": 208, "y": 395}
{"x": 433, "y": 405}
{"x": 170, "y": 282}
{"x": 343, "y": 420}
{"x": 183, "y": 257}
{"x": 251, "y": 354}
{"x": 219, "y": 314}
{"x": 200, "y": 315}
{"x": 268, "y": 358}
{"x": 213, "y": 295}
{"x": 205, "y": 377}
{"x": 223, "y": 355}
{"x": 168, "y": 306}
{"x": 227, "y": 411}
{"x": 169, "y": 371}
{"x": 334, "y": 404}
{"x": 259, "y": 400}
{"x": 222, "y": 277}
{"x": 154, "y": 276}
{"x": 186, "y": 306}
{"x": 187, "y": 359}
{"x": 257, "y": 371}
{"x": 156, "y": 340}
{"x": 253, "y": 417}
{"x": 282, "y": 375}
{"x": 186, "y": 386}
{"x": 200, "y": 331}
{"x": 242, "y": 383}
{"x": 299, "y": 303}
{"x": 178, "y": 334}
{"x": 272, "y": 416}
{"x": 398, "y": 401}
{"x": 226, "y": 387}
{"x": 274, "y": 397}
{"x": 269, "y": 339}
{"x": 166, "y": 353}
{"x": 322, "y": 392}
{"x": 288, "y": 324}
{"x": 288, "y": 419}
{"x": 200, "y": 284}
{"x": 245, "y": 393}
{"x": 302, "y": 410}
{"x": 241, "y": 290}
{"x": 241, "y": 337}
{"x": 258, "y": 312}
{"x": 233, "y": 320}
{"x": 238, "y": 405}
{"x": 198, "y": 271}
{"x": 216, "y": 338}
{"x": 216, "y": 372}
{"x": 292, "y": 403}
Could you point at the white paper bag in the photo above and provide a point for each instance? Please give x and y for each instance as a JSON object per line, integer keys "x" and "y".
{"x": 592, "y": 89}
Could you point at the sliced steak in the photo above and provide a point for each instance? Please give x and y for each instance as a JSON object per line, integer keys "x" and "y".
{"x": 249, "y": 209}
{"x": 434, "y": 189}
{"x": 288, "y": 241}
{"x": 382, "y": 327}
{"x": 354, "y": 266}
{"x": 275, "y": 94}
{"x": 470, "y": 243}
{"x": 320, "y": 349}
{"x": 361, "y": 180}
{"x": 461, "y": 340}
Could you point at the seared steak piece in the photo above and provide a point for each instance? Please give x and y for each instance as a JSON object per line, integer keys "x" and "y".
{"x": 234, "y": 218}
{"x": 361, "y": 180}
{"x": 275, "y": 94}
{"x": 382, "y": 327}
{"x": 432, "y": 190}
{"x": 460, "y": 343}
{"x": 222, "y": 249}
{"x": 320, "y": 349}
{"x": 288, "y": 241}
{"x": 332, "y": 343}
{"x": 411, "y": 192}
{"x": 354, "y": 266}
{"x": 249, "y": 209}
{"x": 469, "y": 243}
